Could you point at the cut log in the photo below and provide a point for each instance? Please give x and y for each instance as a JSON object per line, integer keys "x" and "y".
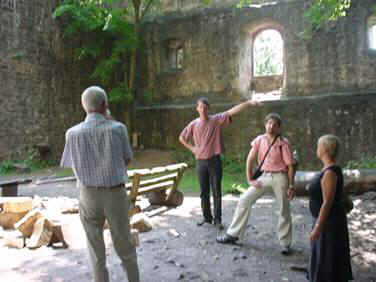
{"x": 160, "y": 198}
{"x": 356, "y": 181}
{"x": 8, "y": 219}
{"x": 26, "y": 224}
{"x": 16, "y": 204}
{"x": 157, "y": 197}
{"x": 42, "y": 234}
{"x": 175, "y": 198}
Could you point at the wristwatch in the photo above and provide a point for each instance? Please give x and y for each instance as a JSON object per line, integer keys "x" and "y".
{"x": 291, "y": 186}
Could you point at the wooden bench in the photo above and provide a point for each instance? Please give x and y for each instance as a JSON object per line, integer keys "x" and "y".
{"x": 10, "y": 187}
{"x": 157, "y": 179}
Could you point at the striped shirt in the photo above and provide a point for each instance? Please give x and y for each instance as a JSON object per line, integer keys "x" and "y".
{"x": 96, "y": 150}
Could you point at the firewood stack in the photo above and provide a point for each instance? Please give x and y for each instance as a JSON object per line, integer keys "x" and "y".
{"x": 26, "y": 224}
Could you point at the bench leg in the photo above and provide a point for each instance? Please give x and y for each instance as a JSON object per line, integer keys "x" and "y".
{"x": 10, "y": 190}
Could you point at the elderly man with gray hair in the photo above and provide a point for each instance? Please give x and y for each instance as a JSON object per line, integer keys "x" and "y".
{"x": 98, "y": 151}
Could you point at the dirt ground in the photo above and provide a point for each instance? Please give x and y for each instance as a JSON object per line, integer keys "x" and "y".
{"x": 177, "y": 250}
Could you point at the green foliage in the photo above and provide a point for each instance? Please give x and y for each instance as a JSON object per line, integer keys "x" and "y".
{"x": 31, "y": 161}
{"x": 6, "y": 167}
{"x": 107, "y": 36}
{"x": 233, "y": 180}
{"x": 365, "y": 163}
{"x": 322, "y": 12}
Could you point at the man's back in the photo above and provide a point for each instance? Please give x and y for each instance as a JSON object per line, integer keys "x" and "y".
{"x": 97, "y": 149}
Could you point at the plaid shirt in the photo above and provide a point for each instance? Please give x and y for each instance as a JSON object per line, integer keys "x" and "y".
{"x": 96, "y": 150}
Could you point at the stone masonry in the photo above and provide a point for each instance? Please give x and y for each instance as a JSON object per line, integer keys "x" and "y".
{"x": 328, "y": 86}
{"x": 40, "y": 83}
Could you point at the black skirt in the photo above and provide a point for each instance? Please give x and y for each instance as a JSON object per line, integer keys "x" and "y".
{"x": 330, "y": 254}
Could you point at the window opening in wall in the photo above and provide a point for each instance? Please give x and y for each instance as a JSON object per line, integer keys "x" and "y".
{"x": 267, "y": 65}
{"x": 175, "y": 55}
{"x": 371, "y": 23}
{"x": 7, "y": 4}
{"x": 268, "y": 53}
{"x": 179, "y": 58}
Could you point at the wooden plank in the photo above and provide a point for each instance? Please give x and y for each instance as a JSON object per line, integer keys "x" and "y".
{"x": 134, "y": 189}
{"x": 175, "y": 186}
{"x": 159, "y": 186}
{"x": 152, "y": 181}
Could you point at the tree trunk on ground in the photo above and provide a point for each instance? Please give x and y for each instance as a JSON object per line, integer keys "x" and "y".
{"x": 356, "y": 181}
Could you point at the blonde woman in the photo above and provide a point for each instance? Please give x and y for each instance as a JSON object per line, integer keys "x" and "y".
{"x": 330, "y": 251}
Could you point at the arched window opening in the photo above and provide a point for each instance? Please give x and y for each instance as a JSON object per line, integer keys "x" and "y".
{"x": 268, "y": 53}
{"x": 371, "y": 25}
{"x": 267, "y": 65}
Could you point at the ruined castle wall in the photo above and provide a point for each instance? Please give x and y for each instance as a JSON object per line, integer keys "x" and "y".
{"x": 328, "y": 82}
{"x": 217, "y": 45}
{"x": 352, "y": 117}
{"x": 40, "y": 83}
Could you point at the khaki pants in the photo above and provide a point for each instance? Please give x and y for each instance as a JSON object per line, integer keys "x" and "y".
{"x": 96, "y": 205}
{"x": 276, "y": 182}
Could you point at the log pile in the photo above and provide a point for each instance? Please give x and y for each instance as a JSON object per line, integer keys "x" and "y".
{"x": 27, "y": 224}
{"x": 356, "y": 181}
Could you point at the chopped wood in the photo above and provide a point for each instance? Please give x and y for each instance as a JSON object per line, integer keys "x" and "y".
{"x": 70, "y": 210}
{"x": 141, "y": 222}
{"x": 8, "y": 219}
{"x": 16, "y": 204}
{"x": 26, "y": 224}
{"x": 42, "y": 234}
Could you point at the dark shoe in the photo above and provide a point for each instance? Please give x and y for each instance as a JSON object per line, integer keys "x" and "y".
{"x": 227, "y": 239}
{"x": 286, "y": 250}
{"x": 204, "y": 221}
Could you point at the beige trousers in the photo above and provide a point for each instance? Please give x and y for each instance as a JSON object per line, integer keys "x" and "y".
{"x": 96, "y": 205}
{"x": 276, "y": 182}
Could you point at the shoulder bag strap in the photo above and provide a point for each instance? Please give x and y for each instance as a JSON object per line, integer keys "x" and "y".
{"x": 262, "y": 162}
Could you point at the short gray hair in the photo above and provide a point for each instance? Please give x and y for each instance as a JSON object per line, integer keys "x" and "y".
{"x": 93, "y": 98}
{"x": 331, "y": 145}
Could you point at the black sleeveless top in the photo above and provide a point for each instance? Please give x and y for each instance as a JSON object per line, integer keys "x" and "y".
{"x": 315, "y": 193}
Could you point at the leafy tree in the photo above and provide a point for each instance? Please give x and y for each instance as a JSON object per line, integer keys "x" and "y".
{"x": 110, "y": 33}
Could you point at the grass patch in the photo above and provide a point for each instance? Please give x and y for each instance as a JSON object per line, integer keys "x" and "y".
{"x": 232, "y": 180}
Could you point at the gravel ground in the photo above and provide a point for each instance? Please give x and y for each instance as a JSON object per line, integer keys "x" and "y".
{"x": 177, "y": 250}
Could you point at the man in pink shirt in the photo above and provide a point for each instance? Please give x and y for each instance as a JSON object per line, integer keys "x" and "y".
{"x": 278, "y": 176}
{"x": 205, "y": 132}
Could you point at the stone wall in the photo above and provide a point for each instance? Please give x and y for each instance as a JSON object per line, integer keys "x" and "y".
{"x": 217, "y": 46}
{"x": 352, "y": 117}
{"x": 40, "y": 82}
{"x": 328, "y": 85}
